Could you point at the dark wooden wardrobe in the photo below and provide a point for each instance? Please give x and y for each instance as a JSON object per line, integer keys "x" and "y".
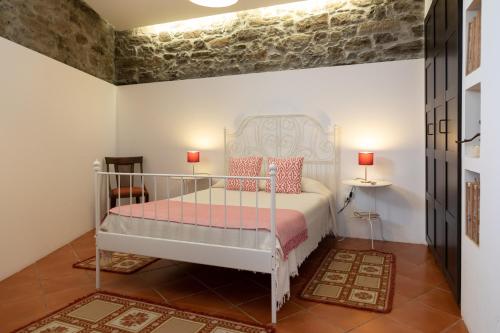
{"x": 443, "y": 96}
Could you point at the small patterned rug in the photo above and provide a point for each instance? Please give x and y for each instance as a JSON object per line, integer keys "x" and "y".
{"x": 117, "y": 262}
{"x": 105, "y": 312}
{"x": 357, "y": 279}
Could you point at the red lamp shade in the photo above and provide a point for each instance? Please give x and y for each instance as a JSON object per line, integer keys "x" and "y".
{"x": 365, "y": 158}
{"x": 193, "y": 156}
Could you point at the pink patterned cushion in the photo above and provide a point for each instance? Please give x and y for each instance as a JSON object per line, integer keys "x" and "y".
{"x": 288, "y": 174}
{"x": 247, "y": 167}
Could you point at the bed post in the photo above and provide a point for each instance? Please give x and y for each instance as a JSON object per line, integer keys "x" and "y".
{"x": 226, "y": 172}
{"x": 97, "y": 169}
{"x": 272, "y": 174}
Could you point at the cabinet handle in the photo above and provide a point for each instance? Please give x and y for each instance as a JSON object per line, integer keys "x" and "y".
{"x": 470, "y": 139}
{"x": 428, "y": 129}
{"x": 445, "y": 121}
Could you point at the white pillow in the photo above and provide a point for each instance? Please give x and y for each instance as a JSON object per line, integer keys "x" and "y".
{"x": 308, "y": 185}
{"x": 313, "y": 186}
{"x": 219, "y": 184}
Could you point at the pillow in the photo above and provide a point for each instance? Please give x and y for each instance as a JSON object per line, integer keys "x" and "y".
{"x": 288, "y": 174}
{"x": 218, "y": 184}
{"x": 313, "y": 186}
{"x": 247, "y": 167}
{"x": 308, "y": 185}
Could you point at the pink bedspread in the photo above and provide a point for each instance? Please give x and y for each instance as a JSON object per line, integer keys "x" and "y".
{"x": 291, "y": 229}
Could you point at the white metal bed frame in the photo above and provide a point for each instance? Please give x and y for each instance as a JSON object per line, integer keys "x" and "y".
{"x": 281, "y": 136}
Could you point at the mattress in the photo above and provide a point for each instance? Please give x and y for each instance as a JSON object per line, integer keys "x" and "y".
{"x": 316, "y": 206}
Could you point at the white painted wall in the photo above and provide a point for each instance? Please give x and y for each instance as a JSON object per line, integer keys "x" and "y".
{"x": 378, "y": 106}
{"x": 55, "y": 120}
{"x": 480, "y": 268}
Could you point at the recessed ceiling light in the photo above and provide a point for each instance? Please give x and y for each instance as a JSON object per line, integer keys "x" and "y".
{"x": 214, "y": 3}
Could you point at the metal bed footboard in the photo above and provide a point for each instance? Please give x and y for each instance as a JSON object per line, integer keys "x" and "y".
{"x": 238, "y": 257}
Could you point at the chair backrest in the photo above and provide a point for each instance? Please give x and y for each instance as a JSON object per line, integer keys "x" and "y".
{"x": 124, "y": 164}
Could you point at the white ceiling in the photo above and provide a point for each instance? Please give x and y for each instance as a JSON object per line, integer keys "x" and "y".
{"x": 126, "y": 14}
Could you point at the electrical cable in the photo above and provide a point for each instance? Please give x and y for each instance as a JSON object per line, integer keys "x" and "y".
{"x": 348, "y": 200}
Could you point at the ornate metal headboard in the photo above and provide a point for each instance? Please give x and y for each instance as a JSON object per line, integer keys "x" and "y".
{"x": 287, "y": 136}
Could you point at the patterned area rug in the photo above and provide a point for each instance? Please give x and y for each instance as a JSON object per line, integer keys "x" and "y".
{"x": 117, "y": 262}
{"x": 357, "y": 279}
{"x": 104, "y": 312}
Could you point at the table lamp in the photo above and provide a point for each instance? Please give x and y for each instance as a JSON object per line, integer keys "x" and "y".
{"x": 365, "y": 158}
{"x": 193, "y": 157}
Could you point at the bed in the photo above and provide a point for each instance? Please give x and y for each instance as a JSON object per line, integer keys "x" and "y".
{"x": 256, "y": 231}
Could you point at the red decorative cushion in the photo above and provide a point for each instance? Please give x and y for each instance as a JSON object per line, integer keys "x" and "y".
{"x": 288, "y": 174}
{"x": 247, "y": 167}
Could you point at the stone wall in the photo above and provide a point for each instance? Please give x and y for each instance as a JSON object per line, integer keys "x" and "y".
{"x": 339, "y": 32}
{"x": 66, "y": 30}
{"x": 330, "y": 33}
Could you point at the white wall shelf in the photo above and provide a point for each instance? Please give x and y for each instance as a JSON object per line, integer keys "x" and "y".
{"x": 472, "y": 5}
{"x": 472, "y": 164}
{"x": 476, "y": 119}
{"x": 479, "y": 306}
{"x": 471, "y": 103}
{"x": 471, "y": 119}
{"x": 473, "y": 81}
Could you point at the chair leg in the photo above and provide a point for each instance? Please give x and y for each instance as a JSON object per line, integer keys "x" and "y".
{"x": 112, "y": 202}
{"x": 97, "y": 268}
{"x": 371, "y": 233}
{"x": 139, "y": 198}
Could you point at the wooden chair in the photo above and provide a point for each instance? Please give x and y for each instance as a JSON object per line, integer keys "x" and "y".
{"x": 125, "y": 165}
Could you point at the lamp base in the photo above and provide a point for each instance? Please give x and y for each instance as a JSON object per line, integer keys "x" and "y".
{"x": 366, "y": 176}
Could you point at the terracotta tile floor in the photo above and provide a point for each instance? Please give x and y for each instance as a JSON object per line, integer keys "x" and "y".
{"x": 422, "y": 303}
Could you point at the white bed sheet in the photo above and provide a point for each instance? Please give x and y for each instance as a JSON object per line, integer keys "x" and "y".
{"x": 316, "y": 207}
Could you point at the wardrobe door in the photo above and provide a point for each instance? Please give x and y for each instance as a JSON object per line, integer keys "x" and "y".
{"x": 443, "y": 119}
{"x": 452, "y": 128}
{"x": 429, "y": 129}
